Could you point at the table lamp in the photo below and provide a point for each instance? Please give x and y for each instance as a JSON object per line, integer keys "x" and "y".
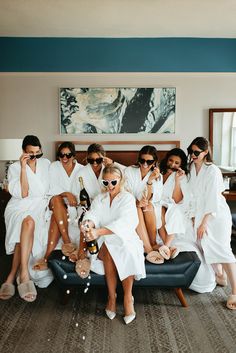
{"x": 10, "y": 151}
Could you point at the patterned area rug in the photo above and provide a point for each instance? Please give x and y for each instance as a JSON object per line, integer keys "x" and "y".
{"x": 162, "y": 325}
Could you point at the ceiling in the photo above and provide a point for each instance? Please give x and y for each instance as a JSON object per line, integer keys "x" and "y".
{"x": 118, "y": 18}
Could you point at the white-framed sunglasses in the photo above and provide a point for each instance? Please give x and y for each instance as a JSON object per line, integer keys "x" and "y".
{"x": 112, "y": 182}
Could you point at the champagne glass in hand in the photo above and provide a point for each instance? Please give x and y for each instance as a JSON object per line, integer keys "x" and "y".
{"x": 144, "y": 197}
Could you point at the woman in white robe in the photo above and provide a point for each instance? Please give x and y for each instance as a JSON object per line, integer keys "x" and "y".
{"x": 91, "y": 175}
{"x": 63, "y": 230}
{"x": 210, "y": 214}
{"x": 26, "y": 230}
{"x": 144, "y": 181}
{"x": 174, "y": 200}
{"x": 112, "y": 220}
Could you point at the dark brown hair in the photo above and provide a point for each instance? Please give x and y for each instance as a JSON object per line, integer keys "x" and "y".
{"x": 30, "y": 140}
{"x": 203, "y": 144}
{"x": 66, "y": 144}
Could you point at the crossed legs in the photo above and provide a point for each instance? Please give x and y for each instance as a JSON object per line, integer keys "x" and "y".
{"x": 147, "y": 228}
{"x": 22, "y": 253}
{"x": 58, "y": 227}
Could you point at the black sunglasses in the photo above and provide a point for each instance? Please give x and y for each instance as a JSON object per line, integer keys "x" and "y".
{"x": 107, "y": 182}
{"x": 93, "y": 160}
{"x": 67, "y": 155}
{"x": 196, "y": 153}
{"x": 33, "y": 156}
{"x": 148, "y": 161}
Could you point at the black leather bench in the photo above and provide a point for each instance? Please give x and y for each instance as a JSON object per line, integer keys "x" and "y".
{"x": 175, "y": 274}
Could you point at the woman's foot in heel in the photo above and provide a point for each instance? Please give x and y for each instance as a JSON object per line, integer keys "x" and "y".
{"x": 130, "y": 314}
{"x": 111, "y": 307}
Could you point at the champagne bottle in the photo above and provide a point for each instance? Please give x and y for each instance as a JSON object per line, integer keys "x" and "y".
{"x": 92, "y": 245}
{"x": 83, "y": 196}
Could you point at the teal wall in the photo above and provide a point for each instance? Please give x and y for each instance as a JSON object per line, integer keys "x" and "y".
{"x": 19, "y": 54}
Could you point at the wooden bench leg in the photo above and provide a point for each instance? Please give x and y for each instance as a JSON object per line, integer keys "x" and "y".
{"x": 181, "y": 297}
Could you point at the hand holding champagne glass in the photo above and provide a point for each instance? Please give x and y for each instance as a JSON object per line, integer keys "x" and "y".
{"x": 144, "y": 198}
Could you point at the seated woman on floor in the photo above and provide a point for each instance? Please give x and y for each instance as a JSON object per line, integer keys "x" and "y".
{"x": 174, "y": 200}
{"x": 112, "y": 220}
{"x": 26, "y": 231}
{"x": 144, "y": 181}
{"x": 63, "y": 203}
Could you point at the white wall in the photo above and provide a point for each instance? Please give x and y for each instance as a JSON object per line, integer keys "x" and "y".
{"x": 29, "y": 103}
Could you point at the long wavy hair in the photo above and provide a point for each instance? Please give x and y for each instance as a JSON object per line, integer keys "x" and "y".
{"x": 147, "y": 149}
{"x": 204, "y": 145}
{"x": 175, "y": 152}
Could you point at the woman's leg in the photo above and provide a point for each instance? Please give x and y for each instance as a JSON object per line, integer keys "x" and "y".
{"x": 53, "y": 236}
{"x": 60, "y": 215}
{"x": 162, "y": 231}
{"x": 142, "y": 232}
{"x": 15, "y": 265}
{"x": 150, "y": 222}
{"x": 111, "y": 277}
{"x": 127, "y": 285}
{"x": 26, "y": 244}
{"x": 230, "y": 269}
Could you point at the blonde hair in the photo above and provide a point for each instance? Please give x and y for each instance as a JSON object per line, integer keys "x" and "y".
{"x": 113, "y": 169}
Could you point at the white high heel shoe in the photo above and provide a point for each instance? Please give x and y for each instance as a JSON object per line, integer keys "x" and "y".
{"x": 110, "y": 314}
{"x": 129, "y": 318}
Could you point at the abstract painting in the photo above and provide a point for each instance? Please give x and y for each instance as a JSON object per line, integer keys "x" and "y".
{"x": 117, "y": 110}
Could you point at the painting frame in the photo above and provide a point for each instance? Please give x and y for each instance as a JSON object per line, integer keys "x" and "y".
{"x": 115, "y": 110}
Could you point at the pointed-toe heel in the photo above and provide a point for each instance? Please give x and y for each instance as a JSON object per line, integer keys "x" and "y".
{"x": 110, "y": 314}
{"x": 129, "y": 318}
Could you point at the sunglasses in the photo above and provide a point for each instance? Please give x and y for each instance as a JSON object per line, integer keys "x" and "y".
{"x": 111, "y": 182}
{"x": 93, "y": 160}
{"x": 67, "y": 155}
{"x": 196, "y": 153}
{"x": 33, "y": 156}
{"x": 148, "y": 161}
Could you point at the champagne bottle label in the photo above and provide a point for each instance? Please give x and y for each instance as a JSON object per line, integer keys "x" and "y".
{"x": 92, "y": 247}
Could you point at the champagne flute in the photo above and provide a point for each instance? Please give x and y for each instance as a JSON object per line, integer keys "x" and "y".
{"x": 144, "y": 196}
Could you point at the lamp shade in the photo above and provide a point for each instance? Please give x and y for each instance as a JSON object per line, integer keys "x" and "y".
{"x": 10, "y": 149}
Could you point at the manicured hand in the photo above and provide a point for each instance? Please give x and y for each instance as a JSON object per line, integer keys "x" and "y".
{"x": 72, "y": 201}
{"x": 142, "y": 203}
{"x": 24, "y": 159}
{"x": 201, "y": 231}
{"x": 91, "y": 234}
{"x": 179, "y": 174}
{"x": 107, "y": 161}
{"x": 154, "y": 175}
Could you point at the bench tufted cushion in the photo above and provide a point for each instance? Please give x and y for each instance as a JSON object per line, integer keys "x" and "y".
{"x": 176, "y": 273}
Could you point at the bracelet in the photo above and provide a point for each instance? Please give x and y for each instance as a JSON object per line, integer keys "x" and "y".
{"x": 149, "y": 183}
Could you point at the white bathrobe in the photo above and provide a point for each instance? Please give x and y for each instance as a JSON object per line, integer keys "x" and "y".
{"x": 60, "y": 182}
{"x": 92, "y": 184}
{"x": 206, "y": 197}
{"x": 123, "y": 243}
{"x": 175, "y": 216}
{"x": 34, "y": 205}
{"x": 136, "y": 185}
